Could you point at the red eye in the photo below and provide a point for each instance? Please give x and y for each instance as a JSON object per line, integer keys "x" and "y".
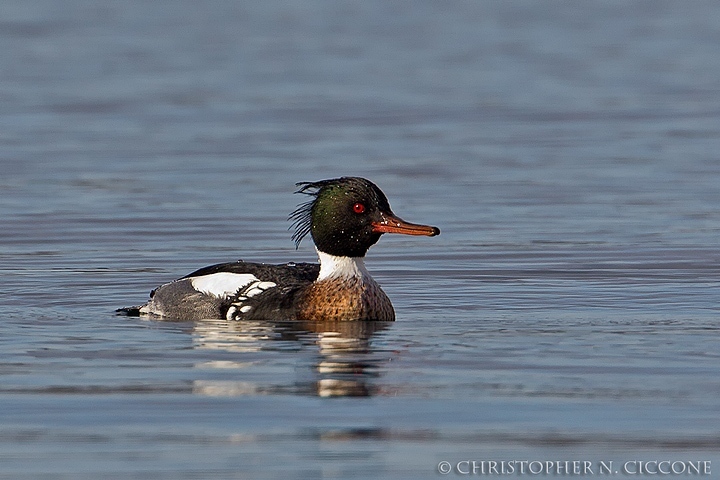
{"x": 358, "y": 208}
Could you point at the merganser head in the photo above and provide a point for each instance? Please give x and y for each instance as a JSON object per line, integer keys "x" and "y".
{"x": 347, "y": 216}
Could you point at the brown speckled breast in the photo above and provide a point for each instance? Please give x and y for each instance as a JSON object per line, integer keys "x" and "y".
{"x": 345, "y": 299}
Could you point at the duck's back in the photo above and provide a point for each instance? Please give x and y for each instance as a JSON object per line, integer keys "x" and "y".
{"x": 234, "y": 291}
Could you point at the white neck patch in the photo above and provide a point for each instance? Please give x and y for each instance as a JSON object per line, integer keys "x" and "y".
{"x": 341, "y": 267}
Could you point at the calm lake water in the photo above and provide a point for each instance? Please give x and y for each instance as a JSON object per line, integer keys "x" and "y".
{"x": 569, "y": 311}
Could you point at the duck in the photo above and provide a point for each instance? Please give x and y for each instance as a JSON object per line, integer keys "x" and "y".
{"x": 344, "y": 217}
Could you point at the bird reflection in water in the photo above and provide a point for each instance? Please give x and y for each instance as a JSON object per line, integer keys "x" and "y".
{"x": 344, "y": 366}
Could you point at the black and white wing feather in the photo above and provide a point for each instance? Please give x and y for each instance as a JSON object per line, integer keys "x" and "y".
{"x": 237, "y": 290}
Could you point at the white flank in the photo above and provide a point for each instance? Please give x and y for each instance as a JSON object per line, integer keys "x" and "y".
{"x": 341, "y": 267}
{"x": 222, "y": 284}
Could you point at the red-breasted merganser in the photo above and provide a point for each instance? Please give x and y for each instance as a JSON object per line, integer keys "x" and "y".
{"x": 345, "y": 217}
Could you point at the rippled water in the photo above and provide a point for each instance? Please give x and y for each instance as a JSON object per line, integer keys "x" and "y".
{"x": 569, "y": 310}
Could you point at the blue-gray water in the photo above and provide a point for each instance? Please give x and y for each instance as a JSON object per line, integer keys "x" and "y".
{"x": 569, "y": 310}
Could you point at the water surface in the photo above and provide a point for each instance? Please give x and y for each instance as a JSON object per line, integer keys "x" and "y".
{"x": 569, "y": 310}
